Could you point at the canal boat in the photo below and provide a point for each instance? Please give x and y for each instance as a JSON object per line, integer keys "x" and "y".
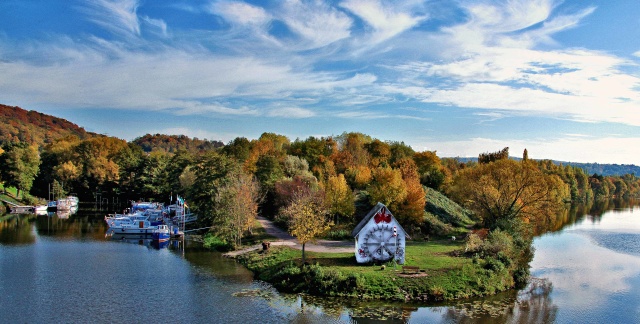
{"x": 135, "y": 228}
{"x": 40, "y": 209}
{"x": 161, "y": 233}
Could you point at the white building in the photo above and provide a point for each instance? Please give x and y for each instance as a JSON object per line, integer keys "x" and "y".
{"x": 379, "y": 237}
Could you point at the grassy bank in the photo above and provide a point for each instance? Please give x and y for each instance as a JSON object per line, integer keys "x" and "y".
{"x": 446, "y": 276}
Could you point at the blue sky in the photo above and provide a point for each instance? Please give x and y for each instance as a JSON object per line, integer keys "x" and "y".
{"x": 560, "y": 78}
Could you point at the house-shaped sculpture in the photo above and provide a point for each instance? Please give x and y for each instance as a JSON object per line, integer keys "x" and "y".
{"x": 379, "y": 237}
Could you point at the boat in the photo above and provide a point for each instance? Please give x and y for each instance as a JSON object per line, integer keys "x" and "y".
{"x": 40, "y": 209}
{"x": 135, "y": 228}
{"x": 52, "y": 205}
{"x": 161, "y": 233}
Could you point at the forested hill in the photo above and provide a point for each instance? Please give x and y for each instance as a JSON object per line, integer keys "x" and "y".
{"x": 173, "y": 143}
{"x": 589, "y": 168}
{"x": 19, "y": 125}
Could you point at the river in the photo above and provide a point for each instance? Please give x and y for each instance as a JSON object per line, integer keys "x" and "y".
{"x": 59, "y": 269}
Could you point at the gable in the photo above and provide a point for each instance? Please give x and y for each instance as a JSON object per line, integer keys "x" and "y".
{"x": 381, "y": 214}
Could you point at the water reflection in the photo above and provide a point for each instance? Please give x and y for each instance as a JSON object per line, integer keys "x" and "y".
{"x": 588, "y": 263}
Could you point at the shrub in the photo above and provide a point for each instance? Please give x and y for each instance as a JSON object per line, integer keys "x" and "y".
{"x": 215, "y": 243}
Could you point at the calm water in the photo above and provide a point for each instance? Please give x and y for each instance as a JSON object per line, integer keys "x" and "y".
{"x": 64, "y": 270}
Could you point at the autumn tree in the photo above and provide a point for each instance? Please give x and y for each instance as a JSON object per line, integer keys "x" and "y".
{"x": 307, "y": 217}
{"x": 387, "y": 187}
{"x": 506, "y": 189}
{"x": 410, "y": 210}
{"x": 351, "y": 151}
{"x": 430, "y": 168}
{"x": 236, "y": 207}
{"x": 339, "y": 198}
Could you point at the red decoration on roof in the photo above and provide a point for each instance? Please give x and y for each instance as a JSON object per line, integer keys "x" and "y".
{"x": 382, "y": 216}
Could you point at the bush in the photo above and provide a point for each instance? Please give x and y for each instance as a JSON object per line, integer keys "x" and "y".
{"x": 433, "y": 225}
{"x": 474, "y": 243}
{"x": 338, "y": 235}
{"x": 213, "y": 242}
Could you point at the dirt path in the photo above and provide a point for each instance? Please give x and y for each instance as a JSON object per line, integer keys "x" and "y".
{"x": 283, "y": 238}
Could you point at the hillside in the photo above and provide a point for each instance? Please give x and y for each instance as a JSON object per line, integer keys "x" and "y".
{"x": 173, "y": 143}
{"x": 19, "y": 125}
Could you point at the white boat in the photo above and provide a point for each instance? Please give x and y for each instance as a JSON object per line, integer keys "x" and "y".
{"x": 136, "y": 228}
{"x": 40, "y": 209}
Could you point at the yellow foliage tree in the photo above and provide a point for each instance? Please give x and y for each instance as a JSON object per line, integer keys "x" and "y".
{"x": 307, "y": 217}
{"x": 338, "y": 197}
{"x": 507, "y": 189}
{"x": 237, "y": 207}
{"x": 387, "y": 187}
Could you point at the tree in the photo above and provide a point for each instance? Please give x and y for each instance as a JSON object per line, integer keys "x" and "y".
{"x": 307, "y": 217}
{"x": 237, "y": 207}
{"x": 295, "y": 166}
{"x": 387, "y": 187}
{"x": 211, "y": 171}
{"x": 432, "y": 172}
{"x": 20, "y": 164}
{"x": 338, "y": 197}
{"x": 492, "y": 157}
{"x": 506, "y": 189}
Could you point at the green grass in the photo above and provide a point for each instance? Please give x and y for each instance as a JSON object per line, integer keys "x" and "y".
{"x": 258, "y": 236}
{"x": 337, "y": 274}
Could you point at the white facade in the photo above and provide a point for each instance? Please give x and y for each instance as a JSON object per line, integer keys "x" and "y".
{"x": 379, "y": 237}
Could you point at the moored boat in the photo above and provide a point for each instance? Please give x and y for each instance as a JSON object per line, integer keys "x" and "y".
{"x": 161, "y": 233}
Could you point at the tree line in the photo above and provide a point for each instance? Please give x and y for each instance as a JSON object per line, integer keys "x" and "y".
{"x": 345, "y": 175}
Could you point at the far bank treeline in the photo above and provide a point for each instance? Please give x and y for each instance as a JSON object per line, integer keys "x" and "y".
{"x": 365, "y": 169}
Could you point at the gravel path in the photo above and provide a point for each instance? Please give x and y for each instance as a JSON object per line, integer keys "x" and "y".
{"x": 283, "y": 238}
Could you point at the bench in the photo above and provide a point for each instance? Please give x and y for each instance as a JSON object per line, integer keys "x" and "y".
{"x": 410, "y": 269}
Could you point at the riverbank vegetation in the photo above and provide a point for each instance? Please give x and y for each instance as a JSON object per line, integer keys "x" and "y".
{"x": 444, "y": 274}
{"x": 334, "y": 180}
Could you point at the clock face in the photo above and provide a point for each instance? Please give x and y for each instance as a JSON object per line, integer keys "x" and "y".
{"x": 380, "y": 244}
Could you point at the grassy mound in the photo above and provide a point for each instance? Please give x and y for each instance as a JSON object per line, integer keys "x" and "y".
{"x": 443, "y": 276}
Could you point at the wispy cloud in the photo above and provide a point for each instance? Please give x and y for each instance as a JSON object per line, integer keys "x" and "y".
{"x": 387, "y": 19}
{"x": 315, "y": 21}
{"x": 290, "y": 112}
{"x": 240, "y": 13}
{"x": 119, "y": 16}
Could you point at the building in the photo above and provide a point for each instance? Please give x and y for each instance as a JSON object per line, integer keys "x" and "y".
{"x": 379, "y": 237}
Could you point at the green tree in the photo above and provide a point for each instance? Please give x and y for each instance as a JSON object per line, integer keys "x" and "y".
{"x": 212, "y": 171}
{"x": 19, "y": 165}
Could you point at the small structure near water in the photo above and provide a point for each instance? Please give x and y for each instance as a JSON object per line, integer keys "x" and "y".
{"x": 379, "y": 237}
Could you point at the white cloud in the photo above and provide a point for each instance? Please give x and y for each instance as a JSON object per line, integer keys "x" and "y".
{"x": 106, "y": 75}
{"x": 119, "y": 16}
{"x": 157, "y": 23}
{"x": 387, "y": 19}
{"x": 240, "y": 12}
{"x": 290, "y": 112}
{"x": 315, "y": 21}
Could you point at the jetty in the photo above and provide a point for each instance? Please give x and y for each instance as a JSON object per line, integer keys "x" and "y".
{"x": 18, "y": 209}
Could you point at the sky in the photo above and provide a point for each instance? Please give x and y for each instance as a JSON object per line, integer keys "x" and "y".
{"x": 559, "y": 78}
